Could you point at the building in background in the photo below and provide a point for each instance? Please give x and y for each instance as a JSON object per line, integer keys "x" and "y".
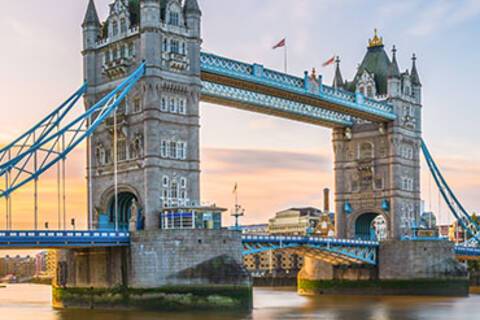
{"x": 294, "y": 221}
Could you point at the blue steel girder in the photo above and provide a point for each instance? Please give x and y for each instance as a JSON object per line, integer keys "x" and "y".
{"x": 62, "y": 239}
{"x": 55, "y": 146}
{"x": 334, "y": 251}
{"x": 272, "y": 105}
{"x": 256, "y": 78}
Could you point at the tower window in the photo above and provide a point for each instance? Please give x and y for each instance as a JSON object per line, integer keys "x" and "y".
{"x": 123, "y": 26}
{"x": 131, "y": 50}
{"x": 163, "y": 104}
{"x": 174, "y": 46}
{"x": 114, "y": 28}
{"x": 165, "y": 45}
{"x": 369, "y": 91}
{"x": 173, "y": 106}
{"x": 121, "y": 149}
{"x": 174, "y": 18}
{"x": 173, "y": 150}
{"x": 137, "y": 106}
{"x": 164, "y": 149}
{"x": 362, "y": 90}
{"x": 183, "y": 182}
{"x": 165, "y": 181}
{"x": 181, "y": 106}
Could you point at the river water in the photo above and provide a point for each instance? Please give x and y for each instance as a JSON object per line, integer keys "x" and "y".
{"x": 32, "y": 302}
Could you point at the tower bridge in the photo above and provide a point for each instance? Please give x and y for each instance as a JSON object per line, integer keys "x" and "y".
{"x": 148, "y": 232}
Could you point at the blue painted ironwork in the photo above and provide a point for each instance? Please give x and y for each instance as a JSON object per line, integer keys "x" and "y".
{"x": 12, "y": 153}
{"x": 354, "y": 251}
{"x": 62, "y": 239}
{"x": 45, "y": 152}
{"x": 454, "y": 205}
{"x": 257, "y": 74}
{"x": 270, "y": 104}
{"x": 467, "y": 251}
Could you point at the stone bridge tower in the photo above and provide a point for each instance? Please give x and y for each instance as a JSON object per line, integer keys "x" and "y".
{"x": 377, "y": 166}
{"x": 158, "y": 125}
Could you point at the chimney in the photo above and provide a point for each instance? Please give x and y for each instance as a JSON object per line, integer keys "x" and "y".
{"x": 326, "y": 200}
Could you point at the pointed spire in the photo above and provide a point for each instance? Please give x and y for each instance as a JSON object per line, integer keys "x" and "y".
{"x": 191, "y": 6}
{"x": 91, "y": 17}
{"x": 393, "y": 70}
{"x": 338, "y": 79}
{"x": 415, "y": 78}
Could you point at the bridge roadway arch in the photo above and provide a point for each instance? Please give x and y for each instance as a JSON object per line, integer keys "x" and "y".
{"x": 360, "y": 223}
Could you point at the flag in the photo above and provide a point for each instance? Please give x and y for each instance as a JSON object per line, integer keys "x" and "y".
{"x": 235, "y": 188}
{"x": 329, "y": 62}
{"x": 281, "y": 44}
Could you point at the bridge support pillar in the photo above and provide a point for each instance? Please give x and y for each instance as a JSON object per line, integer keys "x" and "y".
{"x": 404, "y": 268}
{"x": 162, "y": 270}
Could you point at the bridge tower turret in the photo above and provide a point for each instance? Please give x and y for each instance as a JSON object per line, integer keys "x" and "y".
{"x": 377, "y": 165}
{"x": 158, "y": 125}
{"x": 91, "y": 33}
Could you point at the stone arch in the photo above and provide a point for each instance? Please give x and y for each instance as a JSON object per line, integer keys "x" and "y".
{"x": 359, "y": 223}
{"x": 122, "y": 188}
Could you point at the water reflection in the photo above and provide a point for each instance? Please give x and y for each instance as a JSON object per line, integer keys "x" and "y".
{"x": 32, "y": 302}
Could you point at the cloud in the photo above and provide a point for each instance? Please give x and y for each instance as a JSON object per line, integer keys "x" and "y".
{"x": 430, "y": 17}
{"x": 253, "y": 161}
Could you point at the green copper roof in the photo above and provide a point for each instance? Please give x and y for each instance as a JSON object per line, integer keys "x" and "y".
{"x": 376, "y": 61}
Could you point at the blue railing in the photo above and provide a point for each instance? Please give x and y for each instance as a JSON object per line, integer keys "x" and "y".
{"x": 256, "y": 73}
{"x": 63, "y": 239}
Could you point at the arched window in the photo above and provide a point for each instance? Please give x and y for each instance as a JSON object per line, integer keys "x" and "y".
{"x": 131, "y": 50}
{"x": 362, "y": 90}
{"x": 165, "y": 181}
{"x": 173, "y": 105}
{"x": 370, "y": 91}
{"x": 174, "y": 46}
{"x": 173, "y": 150}
{"x": 174, "y": 190}
{"x": 121, "y": 149}
{"x": 164, "y": 149}
{"x": 165, "y": 45}
{"x": 163, "y": 104}
{"x": 114, "y": 28}
{"x": 174, "y": 18}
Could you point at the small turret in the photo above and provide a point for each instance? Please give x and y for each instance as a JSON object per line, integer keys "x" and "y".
{"x": 338, "y": 79}
{"x": 394, "y": 82}
{"x": 91, "y": 26}
{"x": 91, "y": 33}
{"x": 150, "y": 12}
{"x": 91, "y": 16}
{"x": 193, "y": 14}
{"x": 415, "y": 79}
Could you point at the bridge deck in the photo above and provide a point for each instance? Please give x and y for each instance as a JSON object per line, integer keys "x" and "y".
{"x": 62, "y": 239}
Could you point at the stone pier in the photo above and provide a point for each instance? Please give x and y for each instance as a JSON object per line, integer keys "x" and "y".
{"x": 162, "y": 270}
{"x": 404, "y": 268}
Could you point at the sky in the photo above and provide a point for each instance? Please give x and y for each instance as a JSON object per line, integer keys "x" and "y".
{"x": 277, "y": 163}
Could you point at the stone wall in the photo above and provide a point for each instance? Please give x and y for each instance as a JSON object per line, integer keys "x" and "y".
{"x": 162, "y": 270}
{"x": 178, "y": 257}
{"x": 419, "y": 260}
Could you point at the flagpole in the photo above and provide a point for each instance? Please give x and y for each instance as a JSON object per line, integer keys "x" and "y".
{"x": 285, "y": 56}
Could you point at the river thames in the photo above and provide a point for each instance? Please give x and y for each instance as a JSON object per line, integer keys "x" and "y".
{"x": 32, "y": 302}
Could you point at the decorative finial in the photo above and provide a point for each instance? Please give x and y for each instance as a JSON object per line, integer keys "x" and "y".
{"x": 376, "y": 41}
{"x": 414, "y": 57}
{"x": 314, "y": 74}
{"x": 337, "y": 60}
{"x": 394, "y": 50}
